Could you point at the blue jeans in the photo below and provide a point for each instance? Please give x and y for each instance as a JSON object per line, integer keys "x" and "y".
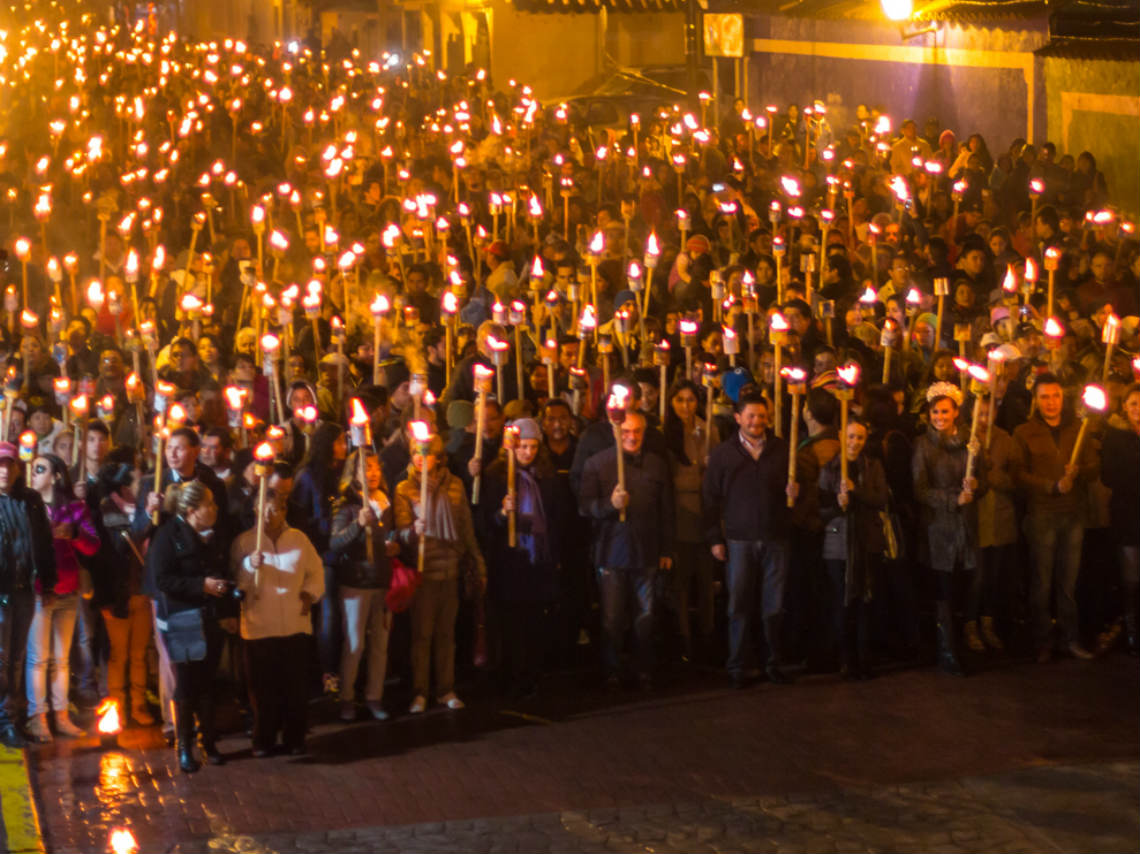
{"x": 755, "y": 567}
{"x": 328, "y": 620}
{"x": 1056, "y": 563}
{"x": 15, "y": 623}
{"x": 86, "y": 626}
{"x": 625, "y": 592}
{"x": 49, "y": 647}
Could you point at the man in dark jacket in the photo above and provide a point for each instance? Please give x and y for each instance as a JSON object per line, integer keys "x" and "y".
{"x": 629, "y": 551}
{"x": 1056, "y": 494}
{"x": 747, "y": 520}
{"x": 26, "y": 555}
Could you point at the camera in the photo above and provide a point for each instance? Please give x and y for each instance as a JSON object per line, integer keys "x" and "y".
{"x": 233, "y": 593}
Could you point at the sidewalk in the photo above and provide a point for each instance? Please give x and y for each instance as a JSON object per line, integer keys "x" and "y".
{"x": 1023, "y": 756}
{"x": 1053, "y": 808}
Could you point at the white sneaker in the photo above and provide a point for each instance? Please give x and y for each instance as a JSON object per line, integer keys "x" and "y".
{"x": 377, "y": 712}
{"x": 451, "y": 701}
{"x": 417, "y": 707}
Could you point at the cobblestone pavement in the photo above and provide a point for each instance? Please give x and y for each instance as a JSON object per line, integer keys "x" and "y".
{"x": 1020, "y": 758}
{"x": 1051, "y": 808}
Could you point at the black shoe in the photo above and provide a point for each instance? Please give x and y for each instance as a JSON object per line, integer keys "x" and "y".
{"x": 213, "y": 755}
{"x": 297, "y": 750}
{"x": 947, "y": 657}
{"x": 187, "y": 761}
{"x": 262, "y": 752}
{"x": 743, "y": 678}
{"x": 777, "y": 676}
{"x": 10, "y": 736}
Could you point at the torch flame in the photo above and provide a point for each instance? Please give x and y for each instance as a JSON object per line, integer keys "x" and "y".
{"x": 421, "y": 432}
{"x": 869, "y": 296}
{"x": 778, "y": 323}
{"x": 597, "y": 243}
{"x": 536, "y": 269}
{"x": 848, "y": 374}
{"x": 1009, "y": 283}
{"x": 359, "y": 413}
{"x": 264, "y": 452}
{"x": 1030, "y": 270}
{"x": 235, "y": 396}
{"x": 588, "y": 319}
{"x": 1095, "y": 398}
{"x": 123, "y": 841}
{"x": 651, "y": 246}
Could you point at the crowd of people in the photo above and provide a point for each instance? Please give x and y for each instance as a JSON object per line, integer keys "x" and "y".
{"x": 328, "y": 366}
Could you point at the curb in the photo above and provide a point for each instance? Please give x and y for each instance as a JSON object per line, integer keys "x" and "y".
{"x": 20, "y": 820}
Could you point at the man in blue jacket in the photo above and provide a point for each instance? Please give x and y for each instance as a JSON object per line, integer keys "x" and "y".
{"x": 747, "y": 521}
{"x": 628, "y": 553}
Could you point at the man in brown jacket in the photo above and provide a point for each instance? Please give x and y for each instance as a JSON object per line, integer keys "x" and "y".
{"x": 1056, "y": 510}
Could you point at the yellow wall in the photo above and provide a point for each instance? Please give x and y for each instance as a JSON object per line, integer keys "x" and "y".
{"x": 1094, "y": 105}
{"x": 561, "y": 51}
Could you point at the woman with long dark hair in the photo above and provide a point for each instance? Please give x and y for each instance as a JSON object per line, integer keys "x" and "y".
{"x": 853, "y": 544}
{"x": 685, "y": 439}
{"x": 1121, "y": 453}
{"x": 49, "y": 639}
{"x": 118, "y": 591}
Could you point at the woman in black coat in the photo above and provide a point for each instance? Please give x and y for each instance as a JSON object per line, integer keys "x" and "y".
{"x": 363, "y": 580}
{"x": 521, "y": 580}
{"x": 853, "y": 544}
{"x": 188, "y": 569}
{"x": 945, "y": 496}
{"x": 1121, "y": 455}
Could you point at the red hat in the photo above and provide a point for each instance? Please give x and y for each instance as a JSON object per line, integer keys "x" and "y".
{"x": 499, "y": 249}
{"x": 8, "y": 451}
{"x": 698, "y": 243}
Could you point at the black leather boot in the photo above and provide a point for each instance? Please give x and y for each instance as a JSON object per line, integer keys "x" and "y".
{"x": 947, "y": 656}
{"x": 184, "y": 734}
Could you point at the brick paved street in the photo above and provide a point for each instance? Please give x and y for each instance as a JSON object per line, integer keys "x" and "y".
{"x": 1017, "y": 758}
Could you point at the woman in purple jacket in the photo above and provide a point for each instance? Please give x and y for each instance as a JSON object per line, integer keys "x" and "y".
{"x": 49, "y": 639}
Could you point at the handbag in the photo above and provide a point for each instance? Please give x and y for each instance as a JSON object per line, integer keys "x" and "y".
{"x": 184, "y": 633}
{"x": 405, "y": 582}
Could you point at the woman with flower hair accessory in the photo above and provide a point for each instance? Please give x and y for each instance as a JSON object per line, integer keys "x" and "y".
{"x": 946, "y": 496}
